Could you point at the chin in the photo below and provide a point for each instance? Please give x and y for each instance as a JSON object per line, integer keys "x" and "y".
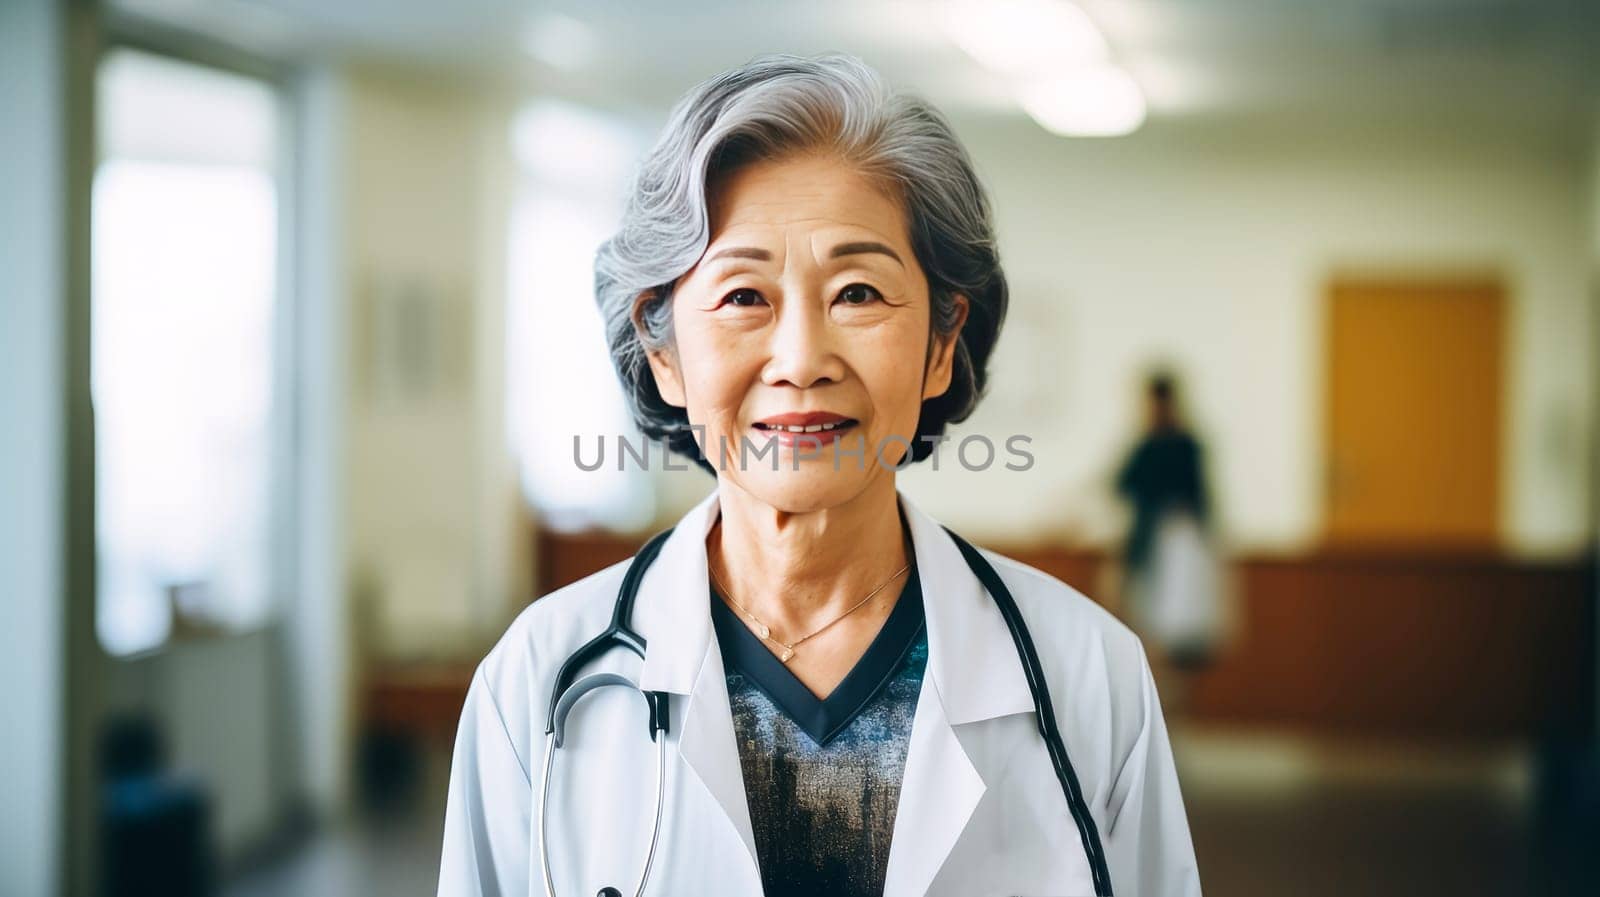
{"x": 816, "y": 486}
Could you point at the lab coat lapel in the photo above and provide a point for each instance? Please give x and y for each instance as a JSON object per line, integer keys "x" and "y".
{"x": 938, "y": 792}
{"x": 681, "y": 657}
{"x": 973, "y": 676}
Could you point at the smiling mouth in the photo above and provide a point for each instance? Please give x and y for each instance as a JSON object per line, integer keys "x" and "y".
{"x": 811, "y": 428}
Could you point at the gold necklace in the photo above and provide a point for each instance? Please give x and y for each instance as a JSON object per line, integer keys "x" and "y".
{"x": 765, "y": 631}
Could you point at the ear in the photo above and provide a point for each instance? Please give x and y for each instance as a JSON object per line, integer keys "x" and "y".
{"x": 668, "y": 381}
{"x": 942, "y": 354}
{"x": 663, "y": 363}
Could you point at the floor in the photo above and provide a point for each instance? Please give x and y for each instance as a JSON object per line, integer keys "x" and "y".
{"x": 1280, "y": 815}
{"x": 393, "y": 860}
{"x": 1270, "y": 815}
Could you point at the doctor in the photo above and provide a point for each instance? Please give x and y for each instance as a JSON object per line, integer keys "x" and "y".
{"x": 805, "y": 290}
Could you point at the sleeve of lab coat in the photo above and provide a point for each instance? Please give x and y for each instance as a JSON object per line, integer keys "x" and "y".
{"x": 487, "y": 834}
{"x": 1148, "y": 848}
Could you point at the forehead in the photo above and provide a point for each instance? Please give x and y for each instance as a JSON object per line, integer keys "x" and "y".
{"x": 813, "y": 192}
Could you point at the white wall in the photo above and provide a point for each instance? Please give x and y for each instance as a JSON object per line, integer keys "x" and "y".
{"x": 1211, "y": 246}
{"x": 31, "y": 416}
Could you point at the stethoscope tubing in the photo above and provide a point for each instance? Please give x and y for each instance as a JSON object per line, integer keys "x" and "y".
{"x": 544, "y": 802}
{"x": 1044, "y": 713}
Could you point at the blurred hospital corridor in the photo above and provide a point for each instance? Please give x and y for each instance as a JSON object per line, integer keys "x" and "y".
{"x": 307, "y": 397}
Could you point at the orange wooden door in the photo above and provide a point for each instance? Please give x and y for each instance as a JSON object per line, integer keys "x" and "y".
{"x": 1414, "y": 413}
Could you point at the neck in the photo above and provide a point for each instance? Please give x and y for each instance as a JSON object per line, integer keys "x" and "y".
{"x": 796, "y": 570}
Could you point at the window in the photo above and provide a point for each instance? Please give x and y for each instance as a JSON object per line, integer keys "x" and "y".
{"x": 574, "y": 169}
{"x": 185, "y": 264}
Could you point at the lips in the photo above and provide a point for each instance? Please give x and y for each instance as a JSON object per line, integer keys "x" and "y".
{"x": 805, "y": 422}
{"x": 810, "y": 430}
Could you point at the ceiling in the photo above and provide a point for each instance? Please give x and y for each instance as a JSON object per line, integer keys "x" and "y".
{"x": 1491, "y": 62}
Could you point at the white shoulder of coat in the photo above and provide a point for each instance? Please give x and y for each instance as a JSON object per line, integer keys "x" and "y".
{"x": 1073, "y": 630}
{"x": 1097, "y": 670}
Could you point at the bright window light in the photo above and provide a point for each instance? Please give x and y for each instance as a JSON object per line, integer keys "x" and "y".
{"x": 575, "y": 164}
{"x": 571, "y": 147}
{"x": 1100, "y": 101}
{"x": 184, "y": 260}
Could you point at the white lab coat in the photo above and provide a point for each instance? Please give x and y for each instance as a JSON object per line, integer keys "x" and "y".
{"x": 981, "y": 812}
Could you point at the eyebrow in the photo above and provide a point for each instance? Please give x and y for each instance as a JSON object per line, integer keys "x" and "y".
{"x": 843, "y": 249}
{"x": 741, "y": 252}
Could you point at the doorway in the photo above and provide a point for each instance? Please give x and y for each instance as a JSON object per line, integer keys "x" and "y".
{"x": 1414, "y": 412}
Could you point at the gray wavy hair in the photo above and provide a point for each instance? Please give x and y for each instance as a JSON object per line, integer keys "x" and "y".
{"x": 773, "y": 107}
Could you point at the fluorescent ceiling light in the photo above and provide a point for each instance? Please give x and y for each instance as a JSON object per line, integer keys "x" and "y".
{"x": 560, "y": 41}
{"x": 1057, "y": 61}
{"x": 1095, "y": 101}
{"x": 1024, "y": 36}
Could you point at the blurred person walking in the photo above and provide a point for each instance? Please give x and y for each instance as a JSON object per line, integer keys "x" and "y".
{"x": 1172, "y": 584}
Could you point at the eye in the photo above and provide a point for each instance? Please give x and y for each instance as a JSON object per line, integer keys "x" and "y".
{"x": 745, "y": 298}
{"x": 859, "y": 294}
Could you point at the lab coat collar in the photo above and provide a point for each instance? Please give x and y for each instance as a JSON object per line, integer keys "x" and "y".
{"x": 673, "y": 611}
{"x": 673, "y": 614}
{"x": 971, "y": 655}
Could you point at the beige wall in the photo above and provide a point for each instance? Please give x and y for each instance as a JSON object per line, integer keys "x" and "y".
{"x": 432, "y": 502}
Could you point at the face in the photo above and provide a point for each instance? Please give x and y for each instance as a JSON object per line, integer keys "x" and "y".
{"x": 807, "y": 309}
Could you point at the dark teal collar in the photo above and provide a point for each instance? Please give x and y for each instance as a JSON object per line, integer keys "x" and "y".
{"x": 822, "y": 718}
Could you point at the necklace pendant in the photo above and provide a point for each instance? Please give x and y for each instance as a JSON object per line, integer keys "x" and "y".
{"x": 762, "y": 630}
{"x": 787, "y": 653}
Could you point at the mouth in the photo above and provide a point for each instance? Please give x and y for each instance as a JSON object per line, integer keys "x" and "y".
{"x": 812, "y": 429}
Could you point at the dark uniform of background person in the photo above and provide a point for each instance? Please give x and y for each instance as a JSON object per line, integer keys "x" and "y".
{"x": 1162, "y": 475}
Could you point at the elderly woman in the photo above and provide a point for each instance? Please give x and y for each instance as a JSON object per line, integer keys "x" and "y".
{"x": 844, "y": 698}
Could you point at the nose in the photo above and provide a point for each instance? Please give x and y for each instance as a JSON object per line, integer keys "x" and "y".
{"x": 802, "y": 352}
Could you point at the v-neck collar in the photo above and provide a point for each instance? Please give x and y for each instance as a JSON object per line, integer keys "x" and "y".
{"x": 822, "y": 718}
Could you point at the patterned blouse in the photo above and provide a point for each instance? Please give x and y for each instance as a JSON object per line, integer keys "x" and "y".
{"x": 822, "y": 777}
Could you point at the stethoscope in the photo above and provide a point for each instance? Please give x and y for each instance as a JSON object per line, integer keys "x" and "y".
{"x": 619, "y": 634}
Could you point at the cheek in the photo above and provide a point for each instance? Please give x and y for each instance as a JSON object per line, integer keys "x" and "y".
{"x": 891, "y": 365}
{"x": 716, "y": 374}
